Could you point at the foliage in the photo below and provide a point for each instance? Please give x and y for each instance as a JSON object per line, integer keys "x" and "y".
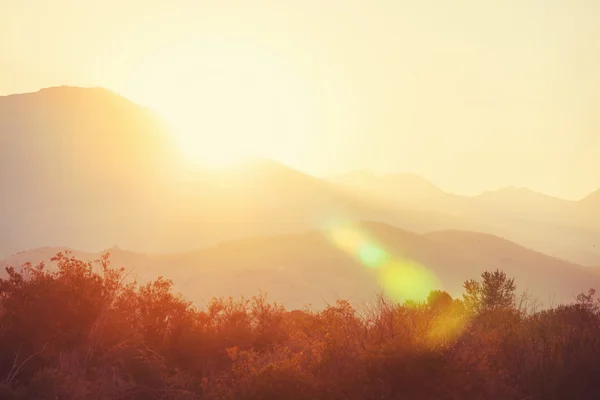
{"x": 494, "y": 291}
{"x": 81, "y": 332}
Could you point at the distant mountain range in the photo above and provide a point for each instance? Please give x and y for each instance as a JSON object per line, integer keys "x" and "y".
{"x": 567, "y": 229}
{"x": 309, "y": 268}
{"x": 87, "y": 169}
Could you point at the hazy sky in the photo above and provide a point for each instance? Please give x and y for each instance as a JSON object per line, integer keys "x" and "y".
{"x": 471, "y": 94}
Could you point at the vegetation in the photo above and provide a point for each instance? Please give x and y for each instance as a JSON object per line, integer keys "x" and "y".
{"x": 73, "y": 333}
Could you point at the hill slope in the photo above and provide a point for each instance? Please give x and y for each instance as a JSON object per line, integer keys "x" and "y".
{"x": 86, "y": 168}
{"x": 299, "y": 269}
{"x": 568, "y": 229}
{"x": 77, "y": 166}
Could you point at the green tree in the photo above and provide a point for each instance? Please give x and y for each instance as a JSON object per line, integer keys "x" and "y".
{"x": 494, "y": 291}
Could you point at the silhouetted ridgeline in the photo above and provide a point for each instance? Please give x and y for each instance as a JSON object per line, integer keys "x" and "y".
{"x": 147, "y": 199}
{"x": 318, "y": 266}
{"x": 73, "y": 333}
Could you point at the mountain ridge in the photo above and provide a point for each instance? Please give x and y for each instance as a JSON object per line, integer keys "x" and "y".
{"x": 106, "y": 172}
{"x": 71, "y": 89}
{"x": 305, "y": 267}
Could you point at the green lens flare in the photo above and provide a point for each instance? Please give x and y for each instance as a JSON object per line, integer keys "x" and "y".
{"x": 400, "y": 279}
{"x": 404, "y": 280}
{"x": 373, "y": 256}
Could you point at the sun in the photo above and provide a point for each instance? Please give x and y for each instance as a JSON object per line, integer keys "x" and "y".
{"x": 225, "y": 104}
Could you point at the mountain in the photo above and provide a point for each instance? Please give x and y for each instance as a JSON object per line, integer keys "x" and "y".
{"x": 522, "y": 200}
{"x": 590, "y": 207}
{"x": 592, "y": 198}
{"x": 401, "y": 188}
{"x": 78, "y": 165}
{"x": 567, "y": 229}
{"x": 86, "y": 168}
{"x": 302, "y": 268}
{"x": 415, "y": 190}
{"x": 264, "y": 197}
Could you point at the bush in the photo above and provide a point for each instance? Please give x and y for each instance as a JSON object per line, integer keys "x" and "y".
{"x": 82, "y": 332}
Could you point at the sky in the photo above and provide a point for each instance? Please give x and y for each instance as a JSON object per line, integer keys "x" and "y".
{"x": 472, "y": 95}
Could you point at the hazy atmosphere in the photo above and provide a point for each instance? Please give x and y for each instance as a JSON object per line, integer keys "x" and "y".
{"x": 299, "y": 200}
{"x": 472, "y": 95}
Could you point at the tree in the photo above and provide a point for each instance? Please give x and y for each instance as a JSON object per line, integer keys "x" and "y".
{"x": 439, "y": 300}
{"x": 495, "y": 291}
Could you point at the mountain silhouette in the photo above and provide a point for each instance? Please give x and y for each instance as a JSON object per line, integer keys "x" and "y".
{"x": 592, "y": 202}
{"x": 87, "y": 168}
{"x": 308, "y": 268}
{"x": 77, "y": 164}
{"x": 400, "y": 186}
{"x": 567, "y": 229}
{"x": 264, "y": 197}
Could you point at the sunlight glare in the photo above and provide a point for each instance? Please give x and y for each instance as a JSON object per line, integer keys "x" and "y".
{"x": 401, "y": 279}
{"x": 226, "y": 103}
{"x": 407, "y": 280}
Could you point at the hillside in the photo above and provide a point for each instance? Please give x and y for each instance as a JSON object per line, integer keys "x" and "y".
{"x": 309, "y": 268}
{"x": 589, "y": 207}
{"x": 132, "y": 192}
{"x": 401, "y": 186}
{"x": 567, "y": 229}
{"x": 79, "y": 166}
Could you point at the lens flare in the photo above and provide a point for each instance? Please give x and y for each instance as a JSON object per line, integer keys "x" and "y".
{"x": 373, "y": 256}
{"x": 347, "y": 239}
{"x": 401, "y": 279}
